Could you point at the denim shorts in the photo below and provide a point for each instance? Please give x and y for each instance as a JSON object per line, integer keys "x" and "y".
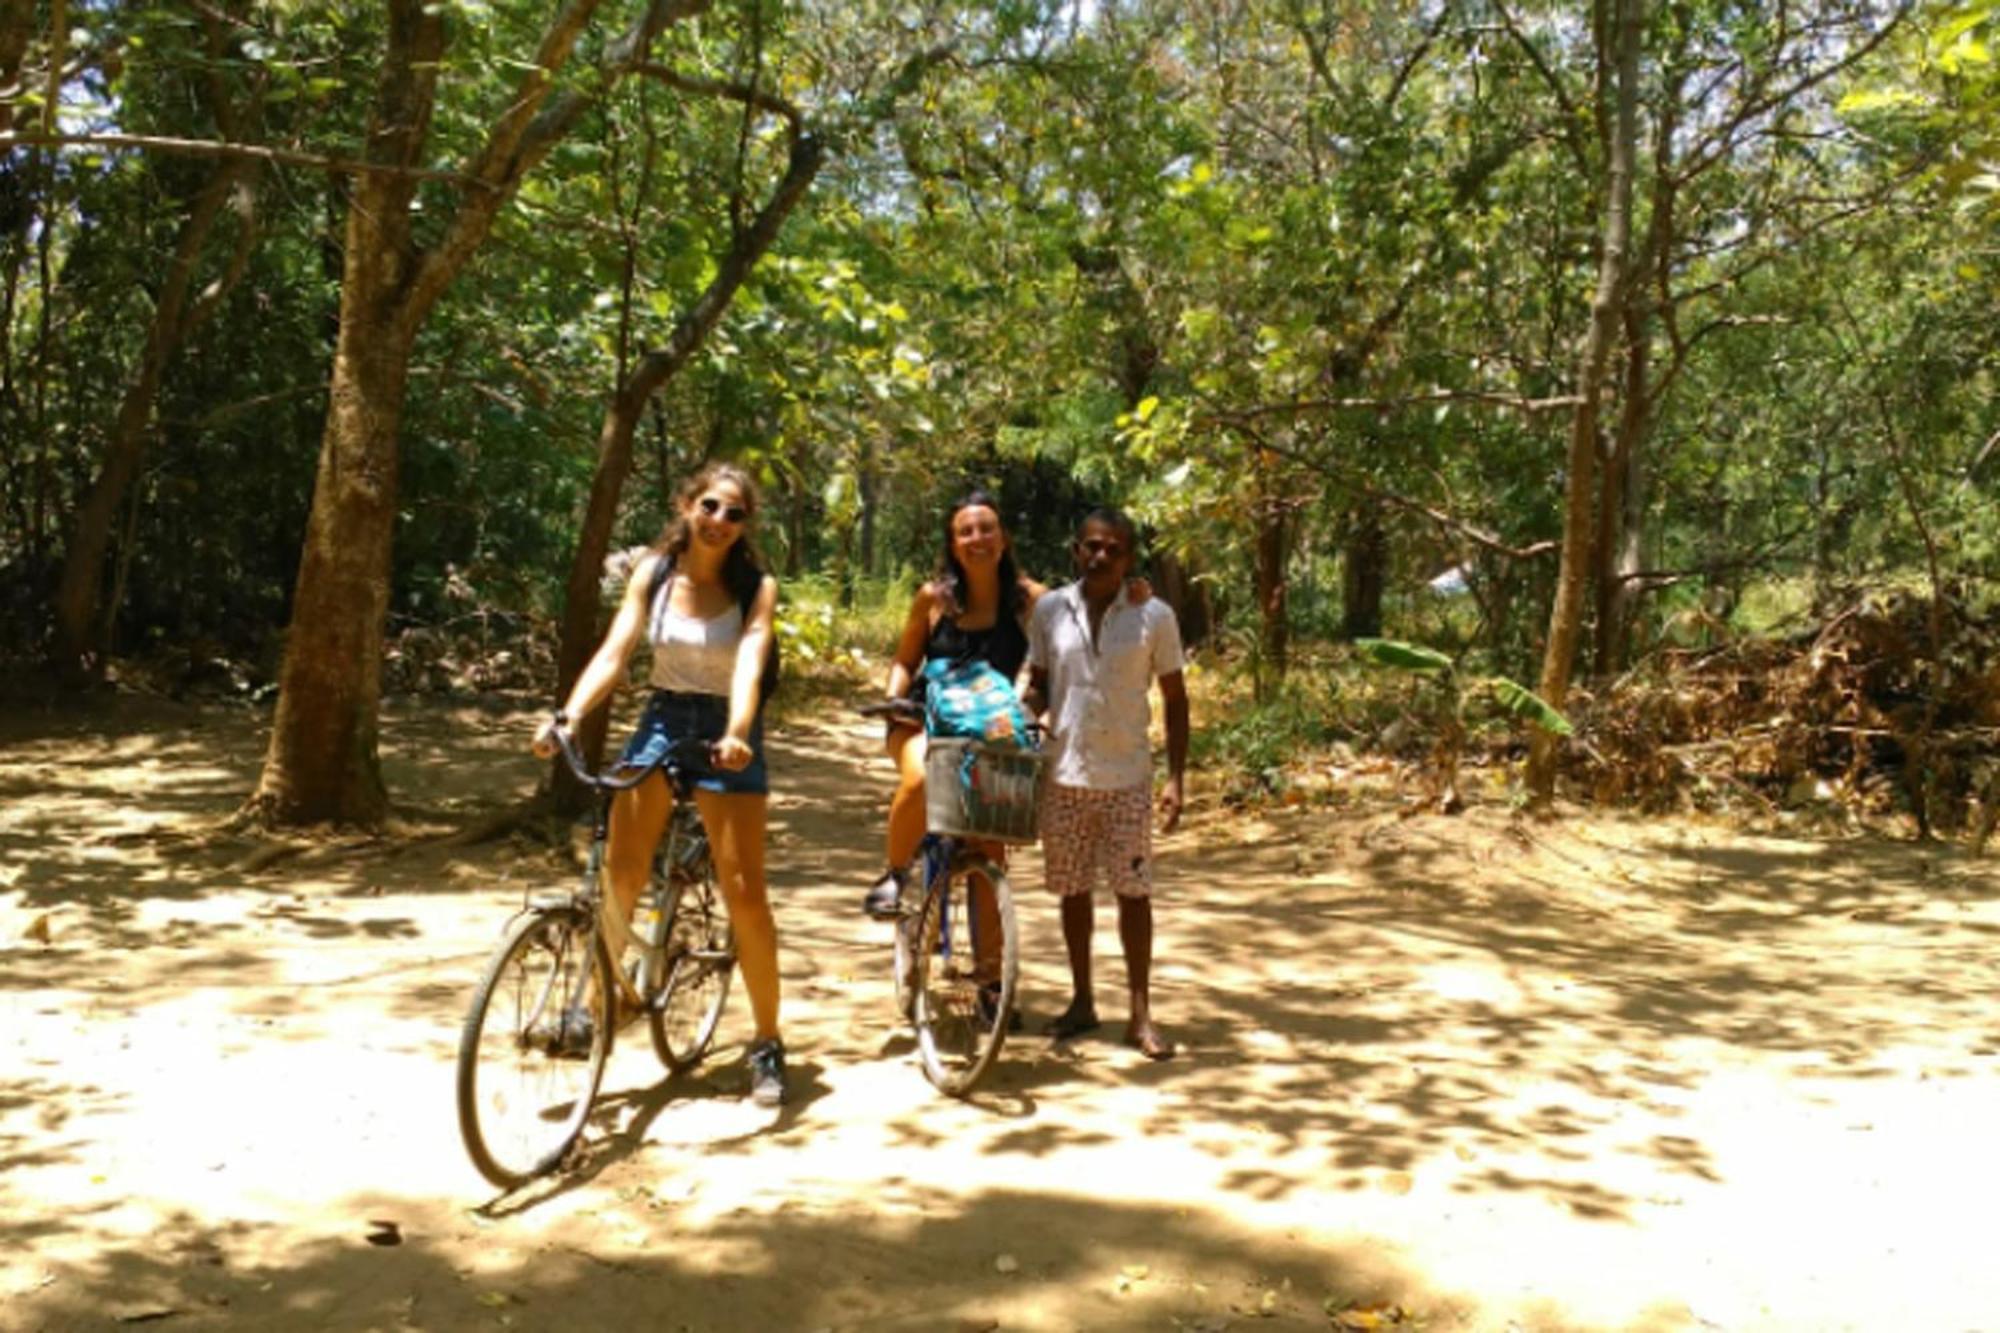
{"x": 672, "y": 716}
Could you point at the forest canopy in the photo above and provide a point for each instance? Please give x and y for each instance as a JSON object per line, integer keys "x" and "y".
{"x": 1573, "y": 342}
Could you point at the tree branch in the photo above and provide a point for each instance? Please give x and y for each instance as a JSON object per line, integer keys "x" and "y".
{"x": 734, "y": 92}
{"x": 1304, "y": 406}
{"x": 287, "y": 157}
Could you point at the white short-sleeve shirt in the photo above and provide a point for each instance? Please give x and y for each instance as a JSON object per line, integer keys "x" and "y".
{"x": 1098, "y": 705}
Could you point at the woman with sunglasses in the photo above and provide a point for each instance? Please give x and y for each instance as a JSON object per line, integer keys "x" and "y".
{"x": 701, "y": 599}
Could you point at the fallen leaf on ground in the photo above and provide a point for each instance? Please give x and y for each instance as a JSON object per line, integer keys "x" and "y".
{"x": 1006, "y": 1263}
{"x": 1354, "y": 1318}
{"x": 1398, "y": 1182}
{"x": 496, "y": 1300}
{"x": 148, "y": 1315}
{"x": 38, "y": 930}
{"x": 381, "y": 1231}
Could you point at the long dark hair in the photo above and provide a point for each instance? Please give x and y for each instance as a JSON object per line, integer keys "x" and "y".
{"x": 742, "y": 566}
{"x": 950, "y": 575}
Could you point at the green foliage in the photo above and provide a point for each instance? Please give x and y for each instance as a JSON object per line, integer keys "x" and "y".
{"x": 1271, "y": 284}
{"x": 1520, "y": 702}
{"x": 1251, "y": 745}
{"x": 1405, "y": 656}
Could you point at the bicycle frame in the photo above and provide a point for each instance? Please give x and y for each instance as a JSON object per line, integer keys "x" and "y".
{"x": 683, "y": 843}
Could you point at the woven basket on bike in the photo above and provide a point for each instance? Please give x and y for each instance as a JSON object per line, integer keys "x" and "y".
{"x": 977, "y": 789}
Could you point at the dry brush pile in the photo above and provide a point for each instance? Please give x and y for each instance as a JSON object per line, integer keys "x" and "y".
{"x": 1891, "y": 704}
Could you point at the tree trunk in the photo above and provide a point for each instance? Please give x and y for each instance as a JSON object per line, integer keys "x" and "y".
{"x": 322, "y": 764}
{"x": 75, "y": 653}
{"x": 868, "y": 486}
{"x": 1177, "y": 583}
{"x": 581, "y": 595}
{"x": 1615, "y": 549}
{"x": 1364, "y": 574}
{"x": 1271, "y": 549}
{"x": 1579, "y": 529}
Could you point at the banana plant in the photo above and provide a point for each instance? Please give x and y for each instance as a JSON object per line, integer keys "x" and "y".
{"x": 1514, "y": 699}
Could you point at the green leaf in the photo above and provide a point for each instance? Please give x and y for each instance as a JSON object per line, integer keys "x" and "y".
{"x": 1879, "y": 99}
{"x": 1524, "y": 703}
{"x": 1144, "y": 410}
{"x": 1402, "y": 656}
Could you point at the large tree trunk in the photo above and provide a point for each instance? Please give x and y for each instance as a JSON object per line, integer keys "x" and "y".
{"x": 1364, "y": 575}
{"x": 322, "y": 761}
{"x": 1579, "y": 529}
{"x": 76, "y": 651}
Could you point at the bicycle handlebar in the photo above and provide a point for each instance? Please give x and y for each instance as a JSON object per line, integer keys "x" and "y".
{"x": 688, "y": 753}
{"x": 912, "y": 712}
{"x": 900, "y": 710}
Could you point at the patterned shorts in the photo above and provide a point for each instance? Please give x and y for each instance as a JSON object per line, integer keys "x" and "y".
{"x": 1089, "y": 834}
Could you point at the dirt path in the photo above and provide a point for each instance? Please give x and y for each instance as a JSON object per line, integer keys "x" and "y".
{"x": 1620, "y": 1074}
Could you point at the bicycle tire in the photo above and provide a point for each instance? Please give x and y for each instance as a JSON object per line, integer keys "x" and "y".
{"x": 522, "y": 1107}
{"x": 958, "y": 1037}
{"x": 699, "y": 959}
{"x": 906, "y": 993}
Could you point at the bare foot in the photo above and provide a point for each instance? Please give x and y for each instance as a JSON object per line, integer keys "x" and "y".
{"x": 1148, "y": 1040}
{"x": 1074, "y": 1021}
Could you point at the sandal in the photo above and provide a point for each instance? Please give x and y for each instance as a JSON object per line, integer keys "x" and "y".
{"x": 1070, "y": 1023}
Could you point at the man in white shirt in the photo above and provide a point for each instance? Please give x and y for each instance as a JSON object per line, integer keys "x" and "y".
{"x": 1092, "y": 656}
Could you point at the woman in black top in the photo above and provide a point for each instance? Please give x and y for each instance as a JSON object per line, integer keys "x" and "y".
{"x": 975, "y": 608}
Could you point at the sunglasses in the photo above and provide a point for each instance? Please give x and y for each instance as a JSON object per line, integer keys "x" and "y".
{"x": 715, "y": 508}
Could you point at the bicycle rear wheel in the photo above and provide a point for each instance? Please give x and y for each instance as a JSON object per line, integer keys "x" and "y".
{"x": 522, "y": 1101}
{"x": 962, "y": 982}
{"x": 699, "y": 957}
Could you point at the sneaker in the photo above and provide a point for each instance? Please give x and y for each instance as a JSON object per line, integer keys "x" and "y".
{"x": 767, "y": 1072}
{"x": 885, "y": 897}
{"x": 567, "y": 1036}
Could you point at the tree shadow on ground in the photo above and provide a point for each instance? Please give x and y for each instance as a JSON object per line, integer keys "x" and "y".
{"x": 928, "y": 1267}
{"x": 1521, "y": 1016}
{"x": 1417, "y": 996}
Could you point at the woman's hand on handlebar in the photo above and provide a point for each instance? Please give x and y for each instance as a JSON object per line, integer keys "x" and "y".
{"x": 544, "y": 744}
{"x": 731, "y": 753}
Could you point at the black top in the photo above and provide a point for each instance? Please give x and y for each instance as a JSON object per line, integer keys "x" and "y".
{"x": 1003, "y": 644}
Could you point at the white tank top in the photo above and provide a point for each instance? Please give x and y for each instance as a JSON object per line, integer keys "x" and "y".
{"x": 692, "y": 655}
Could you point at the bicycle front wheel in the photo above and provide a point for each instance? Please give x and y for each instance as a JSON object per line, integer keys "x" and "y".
{"x": 525, "y": 1083}
{"x": 964, "y": 966}
{"x": 699, "y": 956}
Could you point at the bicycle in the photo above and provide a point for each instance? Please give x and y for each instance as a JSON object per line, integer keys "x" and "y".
{"x": 958, "y": 997}
{"x": 523, "y": 1096}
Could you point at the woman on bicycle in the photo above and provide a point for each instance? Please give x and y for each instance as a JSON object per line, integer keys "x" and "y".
{"x": 975, "y": 607}
{"x": 701, "y": 599}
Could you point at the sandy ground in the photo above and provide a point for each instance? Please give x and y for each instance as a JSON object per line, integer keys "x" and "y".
{"x": 1454, "y": 1074}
